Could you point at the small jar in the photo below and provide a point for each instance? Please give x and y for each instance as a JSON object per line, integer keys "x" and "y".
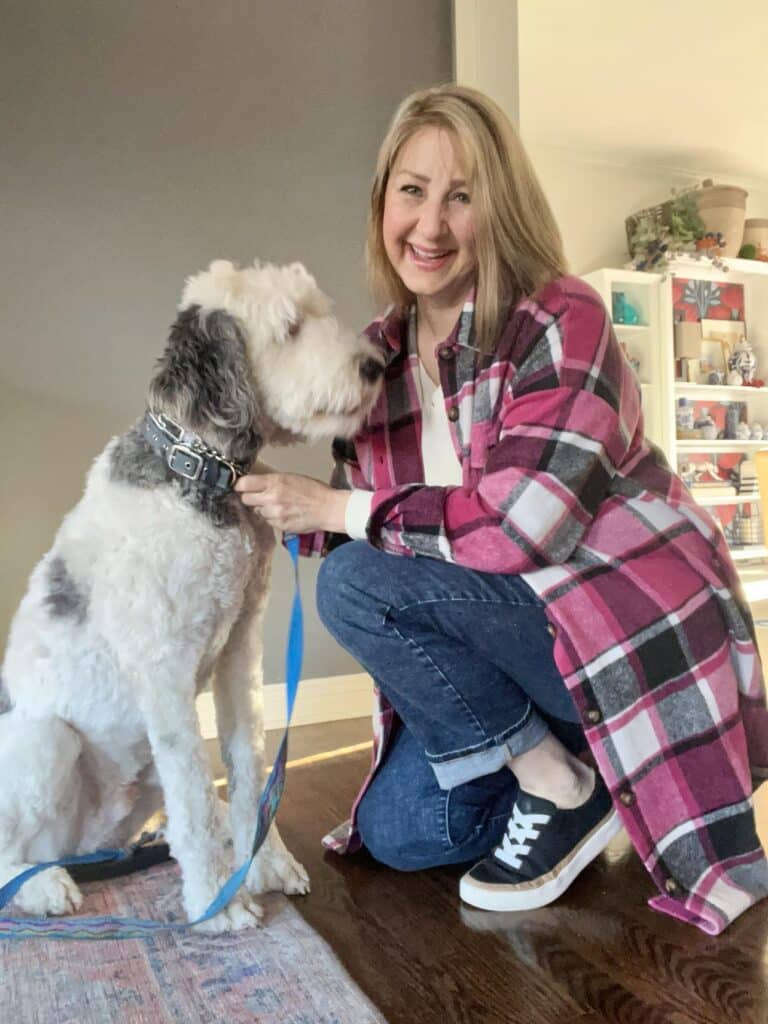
{"x": 684, "y": 417}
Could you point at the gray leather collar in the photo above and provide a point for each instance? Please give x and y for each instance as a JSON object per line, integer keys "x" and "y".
{"x": 187, "y": 456}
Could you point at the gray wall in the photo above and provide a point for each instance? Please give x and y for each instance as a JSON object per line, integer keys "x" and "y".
{"x": 139, "y": 141}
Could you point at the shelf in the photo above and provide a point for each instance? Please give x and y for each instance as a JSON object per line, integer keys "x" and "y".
{"x": 749, "y": 551}
{"x": 717, "y": 391}
{"x": 632, "y": 328}
{"x": 732, "y": 499}
{"x": 689, "y": 266}
{"x": 721, "y": 446}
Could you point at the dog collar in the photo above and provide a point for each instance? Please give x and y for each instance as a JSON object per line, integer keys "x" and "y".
{"x": 187, "y": 456}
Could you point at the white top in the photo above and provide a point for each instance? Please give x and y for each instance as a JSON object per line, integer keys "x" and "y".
{"x": 441, "y": 466}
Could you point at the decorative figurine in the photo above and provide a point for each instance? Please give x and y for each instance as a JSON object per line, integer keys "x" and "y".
{"x": 743, "y": 432}
{"x": 715, "y": 377}
{"x": 706, "y": 425}
{"x": 734, "y": 378}
{"x": 622, "y": 311}
{"x": 756, "y": 432}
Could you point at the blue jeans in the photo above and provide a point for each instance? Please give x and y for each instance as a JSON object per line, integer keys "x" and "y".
{"x": 465, "y": 658}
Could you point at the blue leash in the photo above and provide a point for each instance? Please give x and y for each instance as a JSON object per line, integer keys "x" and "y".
{"x": 133, "y": 928}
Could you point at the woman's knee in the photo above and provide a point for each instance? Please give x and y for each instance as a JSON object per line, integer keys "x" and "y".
{"x": 380, "y": 838}
{"x": 345, "y": 582}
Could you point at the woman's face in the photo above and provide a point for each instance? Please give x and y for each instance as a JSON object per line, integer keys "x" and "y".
{"x": 427, "y": 226}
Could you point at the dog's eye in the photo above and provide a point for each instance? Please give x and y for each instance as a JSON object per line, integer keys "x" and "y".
{"x": 294, "y": 327}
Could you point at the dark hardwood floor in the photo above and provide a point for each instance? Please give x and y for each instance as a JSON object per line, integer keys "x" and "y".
{"x": 598, "y": 955}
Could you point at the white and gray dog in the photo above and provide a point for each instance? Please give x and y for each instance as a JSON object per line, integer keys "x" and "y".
{"x": 155, "y": 585}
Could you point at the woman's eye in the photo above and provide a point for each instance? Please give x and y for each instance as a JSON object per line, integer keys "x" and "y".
{"x": 463, "y": 197}
{"x": 411, "y": 190}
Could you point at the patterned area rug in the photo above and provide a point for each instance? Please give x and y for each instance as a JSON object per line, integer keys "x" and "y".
{"x": 280, "y": 973}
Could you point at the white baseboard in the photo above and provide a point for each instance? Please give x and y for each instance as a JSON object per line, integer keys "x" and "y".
{"x": 329, "y": 699}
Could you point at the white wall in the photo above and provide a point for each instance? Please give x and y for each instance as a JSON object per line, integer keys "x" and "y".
{"x": 618, "y": 102}
{"x": 140, "y": 141}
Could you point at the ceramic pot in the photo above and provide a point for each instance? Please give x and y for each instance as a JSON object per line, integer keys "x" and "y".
{"x": 723, "y": 208}
{"x": 756, "y": 232}
{"x": 743, "y": 361}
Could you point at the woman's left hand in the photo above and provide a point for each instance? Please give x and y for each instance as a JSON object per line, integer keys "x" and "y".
{"x": 294, "y": 503}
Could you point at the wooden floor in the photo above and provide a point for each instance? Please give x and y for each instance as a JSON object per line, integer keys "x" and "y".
{"x": 597, "y": 955}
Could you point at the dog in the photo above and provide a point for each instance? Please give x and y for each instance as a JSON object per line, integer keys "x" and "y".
{"x": 156, "y": 585}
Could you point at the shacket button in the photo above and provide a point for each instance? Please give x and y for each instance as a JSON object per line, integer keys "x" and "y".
{"x": 453, "y": 413}
{"x": 551, "y": 629}
{"x": 627, "y": 797}
{"x": 594, "y": 716}
{"x": 671, "y": 886}
{"x": 447, "y": 353}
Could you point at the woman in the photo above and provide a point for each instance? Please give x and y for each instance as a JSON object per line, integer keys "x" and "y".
{"x": 560, "y": 584}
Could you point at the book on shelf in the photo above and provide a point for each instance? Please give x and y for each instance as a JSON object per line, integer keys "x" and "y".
{"x": 713, "y": 490}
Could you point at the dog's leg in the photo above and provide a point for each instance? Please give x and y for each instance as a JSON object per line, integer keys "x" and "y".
{"x": 190, "y": 800}
{"x": 50, "y": 892}
{"x": 40, "y": 807}
{"x": 237, "y": 688}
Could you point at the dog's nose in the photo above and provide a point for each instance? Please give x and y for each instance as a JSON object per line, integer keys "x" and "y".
{"x": 371, "y": 369}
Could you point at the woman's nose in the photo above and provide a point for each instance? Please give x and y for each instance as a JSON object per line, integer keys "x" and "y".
{"x": 432, "y": 220}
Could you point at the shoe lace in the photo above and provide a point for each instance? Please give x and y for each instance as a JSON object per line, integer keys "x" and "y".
{"x": 521, "y": 828}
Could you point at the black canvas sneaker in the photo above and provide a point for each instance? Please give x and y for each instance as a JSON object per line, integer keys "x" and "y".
{"x": 543, "y": 850}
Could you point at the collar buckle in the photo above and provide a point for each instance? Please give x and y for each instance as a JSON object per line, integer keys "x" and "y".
{"x": 168, "y": 425}
{"x": 186, "y": 462}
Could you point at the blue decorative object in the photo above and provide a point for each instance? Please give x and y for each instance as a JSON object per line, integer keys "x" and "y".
{"x": 622, "y": 311}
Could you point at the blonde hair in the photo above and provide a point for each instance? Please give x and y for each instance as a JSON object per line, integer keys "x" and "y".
{"x": 518, "y": 243}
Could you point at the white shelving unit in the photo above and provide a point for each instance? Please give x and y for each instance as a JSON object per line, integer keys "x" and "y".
{"x": 652, "y": 343}
{"x": 643, "y": 340}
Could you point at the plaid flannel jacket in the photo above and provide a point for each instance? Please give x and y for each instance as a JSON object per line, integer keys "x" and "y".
{"x": 652, "y": 633}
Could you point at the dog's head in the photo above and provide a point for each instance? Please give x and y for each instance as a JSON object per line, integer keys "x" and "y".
{"x": 261, "y": 345}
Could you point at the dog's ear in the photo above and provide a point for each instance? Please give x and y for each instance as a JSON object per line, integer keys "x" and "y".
{"x": 204, "y": 380}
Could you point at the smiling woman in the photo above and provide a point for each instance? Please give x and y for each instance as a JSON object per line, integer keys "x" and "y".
{"x": 428, "y": 225}
{"x": 557, "y": 591}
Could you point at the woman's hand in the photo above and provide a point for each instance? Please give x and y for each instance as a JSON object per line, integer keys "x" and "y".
{"x": 294, "y": 503}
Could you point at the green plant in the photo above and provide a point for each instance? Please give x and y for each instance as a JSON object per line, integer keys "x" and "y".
{"x": 670, "y": 229}
{"x": 686, "y": 225}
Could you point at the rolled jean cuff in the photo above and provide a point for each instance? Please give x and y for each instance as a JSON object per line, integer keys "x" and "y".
{"x": 467, "y": 767}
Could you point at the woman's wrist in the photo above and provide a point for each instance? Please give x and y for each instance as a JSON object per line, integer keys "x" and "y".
{"x": 337, "y": 511}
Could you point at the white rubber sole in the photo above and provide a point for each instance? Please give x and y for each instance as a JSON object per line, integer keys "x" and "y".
{"x": 530, "y": 895}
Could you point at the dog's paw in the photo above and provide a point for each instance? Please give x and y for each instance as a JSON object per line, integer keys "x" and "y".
{"x": 51, "y": 892}
{"x": 276, "y": 870}
{"x": 242, "y": 912}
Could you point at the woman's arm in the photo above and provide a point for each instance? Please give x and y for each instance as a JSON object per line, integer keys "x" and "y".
{"x": 569, "y": 417}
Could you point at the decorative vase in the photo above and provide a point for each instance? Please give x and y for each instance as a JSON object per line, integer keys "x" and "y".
{"x": 756, "y": 232}
{"x": 684, "y": 416}
{"x": 732, "y": 416}
{"x": 723, "y": 209}
{"x": 743, "y": 360}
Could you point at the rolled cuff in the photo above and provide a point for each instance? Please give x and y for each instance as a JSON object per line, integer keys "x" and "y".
{"x": 467, "y": 767}
{"x": 357, "y": 514}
